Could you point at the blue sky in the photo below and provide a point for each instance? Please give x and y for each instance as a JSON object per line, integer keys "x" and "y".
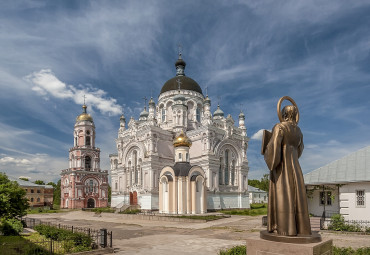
{"x": 249, "y": 53}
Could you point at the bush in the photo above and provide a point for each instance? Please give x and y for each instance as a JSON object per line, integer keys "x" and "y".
{"x": 128, "y": 211}
{"x": 11, "y": 227}
{"x": 338, "y": 224}
{"x": 54, "y": 233}
{"x": 237, "y": 250}
{"x": 350, "y": 251}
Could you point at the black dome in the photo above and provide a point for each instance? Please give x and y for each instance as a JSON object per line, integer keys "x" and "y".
{"x": 186, "y": 83}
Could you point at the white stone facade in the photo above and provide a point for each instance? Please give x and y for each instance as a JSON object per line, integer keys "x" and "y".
{"x": 145, "y": 147}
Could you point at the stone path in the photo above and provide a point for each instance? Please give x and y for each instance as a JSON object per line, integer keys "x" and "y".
{"x": 163, "y": 237}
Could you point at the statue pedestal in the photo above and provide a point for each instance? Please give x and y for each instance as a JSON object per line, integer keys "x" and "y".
{"x": 259, "y": 246}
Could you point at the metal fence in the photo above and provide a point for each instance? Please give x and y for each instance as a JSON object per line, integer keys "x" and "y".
{"x": 45, "y": 247}
{"x": 100, "y": 237}
{"x": 346, "y": 225}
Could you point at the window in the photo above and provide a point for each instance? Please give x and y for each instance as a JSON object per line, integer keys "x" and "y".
{"x": 26, "y": 190}
{"x": 87, "y": 163}
{"x": 87, "y": 141}
{"x": 226, "y": 167}
{"x": 38, "y": 199}
{"x": 360, "y": 198}
{"x": 31, "y": 190}
{"x": 187, "y": 156}
{"x": 116, "y": 186}
{"x": 325, "y": 198}
{"x": 328, "y": 198}
{"x": 163, "y": 114}
{"x": 38, "y": 191}
{"x": 180, "y": 158}
{"x": 220, "y": 173}
{"x": 31, "y": 199}
{"x": 198, "y": 114}
{"x": 91, "y": 186}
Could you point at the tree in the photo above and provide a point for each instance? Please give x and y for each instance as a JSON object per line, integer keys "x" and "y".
{"x": 39, "y": 182}
{"x": 262, "y": 184}
{"x": 57, "y": 193}
{"x": 13, "y": 201}
{"x": 23, "y": 179}
{"x": 109, "y": 193}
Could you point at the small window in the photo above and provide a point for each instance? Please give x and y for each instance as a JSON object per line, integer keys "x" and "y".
{"x": 31, "y": 190}
{"x": 187, "y": 156}
{"x": 360, "y": 198}
{"x": 38, "y": 191}
{"x": 31, "y": 199}
{"x": 198, "y": 114}
{"x": 328, "y": 198}
{"x": 322, "y": 198}
{"x": 88, "y": 132}
{"x": 180, "y": 156}
{"x": 38, "y": 199}
{"x": 87, "y": 141}
{"x": 163, "y": 115}
{"x": 116, "y": 186}
{"x": 26, "y": 190}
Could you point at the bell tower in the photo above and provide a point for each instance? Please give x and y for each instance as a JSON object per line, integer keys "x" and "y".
{"x": 84, "y": 184}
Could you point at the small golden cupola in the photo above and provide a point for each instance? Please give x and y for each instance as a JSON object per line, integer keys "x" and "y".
{"x": 181, "y": 140}
{"x": 84, "y": 116}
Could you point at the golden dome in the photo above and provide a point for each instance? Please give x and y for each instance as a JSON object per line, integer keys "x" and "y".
{"x": 84, "y": 116}
{"x": 181, "y": 140}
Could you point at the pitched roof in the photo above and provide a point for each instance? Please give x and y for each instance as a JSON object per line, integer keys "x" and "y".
{"x": 28, "y": 183}
{"x": 354, "y": 167}
{"x": 254, "y": 189}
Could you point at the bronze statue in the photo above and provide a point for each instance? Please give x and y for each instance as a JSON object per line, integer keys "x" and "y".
{"x": 287, "y": 206}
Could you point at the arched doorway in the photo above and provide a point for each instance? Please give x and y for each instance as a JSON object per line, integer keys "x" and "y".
{"x": 90, "y": 203}
{"x": 133, "y": 198}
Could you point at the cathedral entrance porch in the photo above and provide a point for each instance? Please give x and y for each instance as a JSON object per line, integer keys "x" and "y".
{"x": 90, "y": 203}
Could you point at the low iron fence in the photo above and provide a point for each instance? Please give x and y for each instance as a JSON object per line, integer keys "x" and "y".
{"x": 101, "y": 237}
{"x": 46, "y": 247}
{"x": 346, "y": 225}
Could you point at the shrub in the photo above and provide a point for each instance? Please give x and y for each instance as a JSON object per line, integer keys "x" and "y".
{"x": 350, "y": 251}
{"x": 128, "y": 211}
{"x": 237, "y": 250}
{"x": 338, "y": 224}
{"x": 11, "y": 227}
{"x": 54, "y": 233}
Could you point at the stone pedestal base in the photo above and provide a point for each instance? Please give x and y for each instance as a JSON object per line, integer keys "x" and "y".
{"x": 258, "y": 246}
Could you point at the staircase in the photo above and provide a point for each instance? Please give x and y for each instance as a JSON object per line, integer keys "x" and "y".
{"x": 315, "y": 223}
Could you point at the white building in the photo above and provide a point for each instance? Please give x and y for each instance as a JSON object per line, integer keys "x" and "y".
{"x": 145, "y": 147}
{"x": 257, "y": 195}
{"x": 342, "y": 186}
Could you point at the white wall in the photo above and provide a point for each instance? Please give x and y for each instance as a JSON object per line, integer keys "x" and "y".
{"x": 348, "y": 203}
{"x": 226, "y": 200}
{"x": 314, "y": 206}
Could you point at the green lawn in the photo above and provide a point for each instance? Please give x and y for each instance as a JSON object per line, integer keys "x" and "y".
{"x": 256, "y": 209}
{"x": 20, "y": 245}
{"x": 199, "y": 217}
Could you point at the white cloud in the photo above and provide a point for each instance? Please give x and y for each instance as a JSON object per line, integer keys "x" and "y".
{"x": 258, "y": 135}
{"x": 46, "y": 83}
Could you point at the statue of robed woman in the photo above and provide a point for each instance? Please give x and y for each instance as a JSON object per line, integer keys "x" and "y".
{"x": 287, "y": 207}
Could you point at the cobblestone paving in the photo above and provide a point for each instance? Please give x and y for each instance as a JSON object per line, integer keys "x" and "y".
{"x": 162, "y": 237}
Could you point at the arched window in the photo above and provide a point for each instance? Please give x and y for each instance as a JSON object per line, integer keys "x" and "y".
{"x": 136, "y": 167}
{"x": 232, "y": 172}
{"x": 163, "y": 114}
{"x": 220, "y": 173}
{"x": 226, "y": 167}
{"x": 198, "y": 114}
{"x": 180, "y": 157}
{"x": 87, "y": 163}
{"x": 75, "y": 141}
{"x": 116, "y": 186}
{"x": 91, "y": 186}
{"x": 87, "y": 141}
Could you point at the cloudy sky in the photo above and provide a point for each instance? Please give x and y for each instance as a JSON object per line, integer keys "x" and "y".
{"x": 248, "y": 53}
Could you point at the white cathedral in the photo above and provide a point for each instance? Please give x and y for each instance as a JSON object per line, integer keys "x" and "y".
{"x": 145, "y": 147}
